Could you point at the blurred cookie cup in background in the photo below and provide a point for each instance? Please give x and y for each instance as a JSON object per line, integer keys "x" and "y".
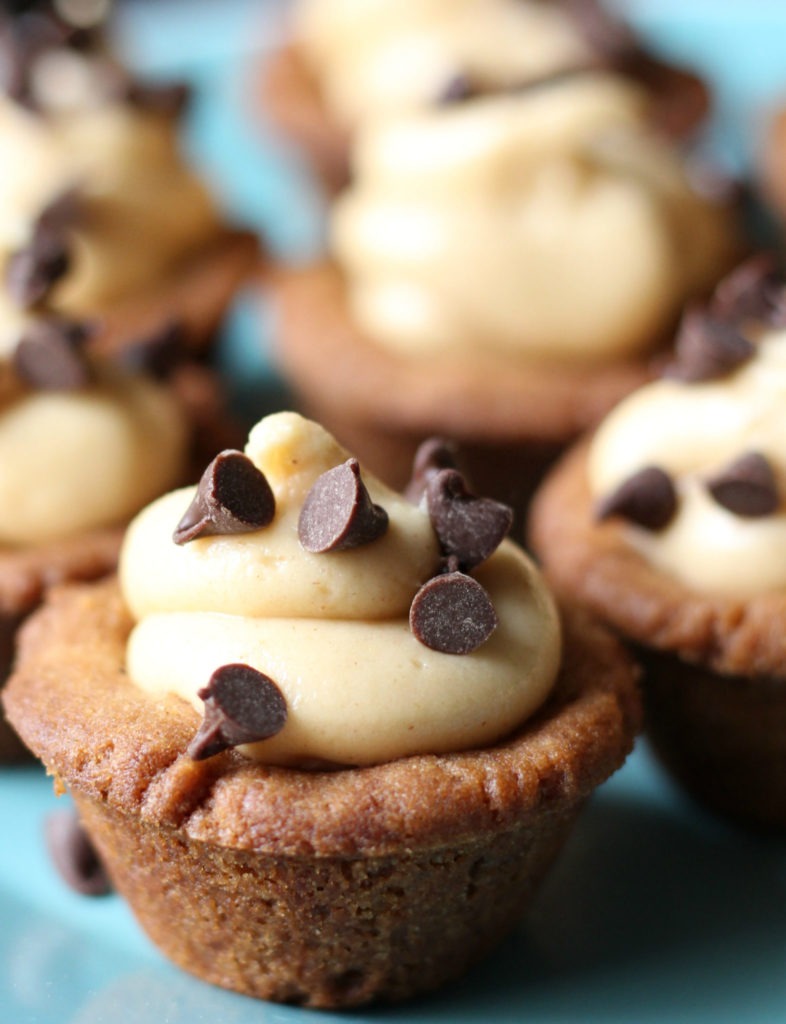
{"x": 94, "y": 182}
{"x": 502, "y": 270}
{"x": 670, "y": 525}
{"x": 326, "y": 742}
{"x": 350, "y": 63}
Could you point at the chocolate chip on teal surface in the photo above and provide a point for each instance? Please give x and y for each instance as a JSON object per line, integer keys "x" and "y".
{"x": 747, "y": 486}
{"x": 433, "y": 454}
{"x": 33, "y": 271}
{"x": 50, "y": 355}
{"x": 233, "y": 496}
{"x": 73, "y": 854}
{"x": 338, "y": 513}
{"x": 708, "y": 348}
{"x": 157, "y": 353}
{"x": 647, "y": 498}
{"x": 452, "y": 613}
{"x": 242, "y": 705}
{"x": 469, "y": 528}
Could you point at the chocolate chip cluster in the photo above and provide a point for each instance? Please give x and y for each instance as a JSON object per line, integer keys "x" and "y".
{"x": 710, "y": 345}
{"x": 451, "y": 612}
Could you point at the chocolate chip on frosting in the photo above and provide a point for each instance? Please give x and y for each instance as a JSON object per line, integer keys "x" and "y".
{"x": 648, "y": 498}
{"x": 242, "y": 705}
{"x": 74, "y": 856}
{"x": 233, "y": 496}
{"x": 452, "y": 613}
{"x": 707, "y": 348}
{"x": 432, "y": 455}
{"x": 469, "y": 528}
{"x": 32, "y": 272}
{"x": 746, "y": 487}
{"x": 338, "y": 513}
{"x": 50, "y": 355}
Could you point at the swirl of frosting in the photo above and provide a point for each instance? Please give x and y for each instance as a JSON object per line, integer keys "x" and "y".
{"x": 331, "y": 629}
{"x": 695, "y": 432}
{"x": 72, "y": 461}
{"x": 548, "y": 224}
{"x": 358, "y": 48}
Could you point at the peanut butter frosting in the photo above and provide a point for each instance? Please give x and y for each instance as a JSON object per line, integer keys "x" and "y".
{"x": 378, "y": 57}
{"x": 466, "y": 226}
{"x": 138, "y": 209}
{"x": 72, "y": 461}
{"x": 713, "y": 450}
{"x": 332, "y": 627}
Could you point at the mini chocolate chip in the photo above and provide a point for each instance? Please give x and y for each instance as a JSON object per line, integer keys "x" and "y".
{"x": 746, "y": 487}
{"x": 169, "y": 99}
{"x": 49, "y": 355}
{"x": 755, "y": 290}
{"x": 61, "y": 212}
{"x": 452, "y": 613}
{"x": 338, "y": 513}
{"x": 432, "y": 455}
{"x": 707, "y": 348}
{"x": 73, "y": 855}
{"x": 468, "y": 527}
{"x": 233, "y": 496}
{"x": 157, "y": 353}
{"x": 33, "y": 271}
{"x": 458, "y": 89}
{"x": 242, "y": 705}
{"x": 607, "y": 35}
{"x": 647, "y": 498}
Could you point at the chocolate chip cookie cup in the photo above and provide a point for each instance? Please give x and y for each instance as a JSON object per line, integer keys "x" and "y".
{"x": 670, "y": 526}
{"x": 328, "y": 748}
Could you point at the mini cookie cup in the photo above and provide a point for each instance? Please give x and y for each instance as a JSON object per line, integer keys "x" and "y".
{"x": 323, "y": 888}
{"x": 714, "y": 671}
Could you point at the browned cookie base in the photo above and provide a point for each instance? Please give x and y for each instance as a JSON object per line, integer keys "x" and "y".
{"x": 325, "y": 888}
{"x": 24, "y": 576}
{"x": 723, "y": 737}
{"x": 714, "y": 673}
{"x": 508, "y": 419}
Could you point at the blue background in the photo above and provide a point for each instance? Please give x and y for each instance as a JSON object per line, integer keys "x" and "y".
{"x": 656, "y": 912}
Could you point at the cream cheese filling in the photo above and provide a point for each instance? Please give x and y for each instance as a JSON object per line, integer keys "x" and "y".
{"x": 332, "y": 630}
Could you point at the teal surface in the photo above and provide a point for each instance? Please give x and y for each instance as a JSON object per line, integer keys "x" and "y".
{"x": 656, "y": 912}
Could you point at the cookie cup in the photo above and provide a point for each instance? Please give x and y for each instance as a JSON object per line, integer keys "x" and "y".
{"x": 714, "y": 675}
{"x": 324, "y": 888}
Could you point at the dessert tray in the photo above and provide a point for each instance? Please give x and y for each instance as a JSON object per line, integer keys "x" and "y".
{"x": 656, "y": 911}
